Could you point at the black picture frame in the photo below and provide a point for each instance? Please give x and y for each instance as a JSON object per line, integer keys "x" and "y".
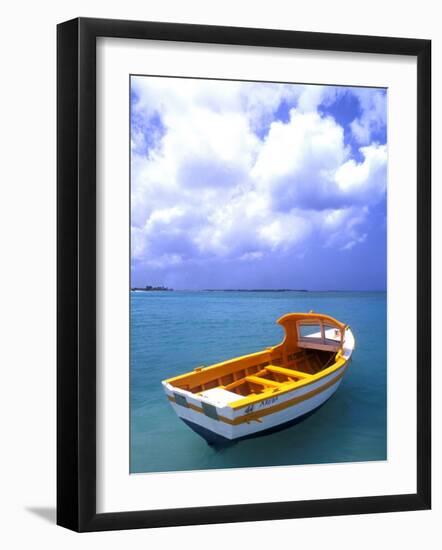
{"x": 76, "y": 273}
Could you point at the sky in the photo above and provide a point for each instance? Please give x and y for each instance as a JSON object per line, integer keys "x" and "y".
{"x": 242, "y": 185}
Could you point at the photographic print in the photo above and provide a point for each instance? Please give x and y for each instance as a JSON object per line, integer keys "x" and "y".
{"x": 258, "y": 303}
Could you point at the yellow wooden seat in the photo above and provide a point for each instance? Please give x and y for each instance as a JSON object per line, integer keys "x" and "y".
{"x": 288, "y": 372}
{"x": 263, "y": 381}
{"x": 234, "y": 384}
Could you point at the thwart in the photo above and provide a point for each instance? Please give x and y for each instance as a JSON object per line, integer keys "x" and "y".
{"x": 269, "y": 390}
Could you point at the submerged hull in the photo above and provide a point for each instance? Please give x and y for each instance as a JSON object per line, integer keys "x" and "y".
{"x": 216, "y": 440}
{"x": 286, "y": 404}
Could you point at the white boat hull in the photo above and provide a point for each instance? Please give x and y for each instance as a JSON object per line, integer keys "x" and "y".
{"x": 223, "y": 424}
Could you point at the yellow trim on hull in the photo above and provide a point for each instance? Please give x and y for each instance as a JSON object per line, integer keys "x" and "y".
{"x": 288, "y": 387}
{"x": 251, "y": 385}
{"x": 256, "y": 415}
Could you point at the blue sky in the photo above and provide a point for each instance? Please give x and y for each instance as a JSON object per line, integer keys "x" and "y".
{"x": 257, "y": 185}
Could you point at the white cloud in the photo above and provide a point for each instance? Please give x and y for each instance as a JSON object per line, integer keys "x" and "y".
{"x": 251, "y": 256}
{"x": 210, "y": 187}
{"x": 365, "y": 181}
{"x": 341, "y": 228}
{"x": 354, "y": 242}
{"x": 373, "y": 104}
{"x": 297, "y": 161}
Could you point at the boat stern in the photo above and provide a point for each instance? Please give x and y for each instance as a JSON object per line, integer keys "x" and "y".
{"x": 207, "y": 413}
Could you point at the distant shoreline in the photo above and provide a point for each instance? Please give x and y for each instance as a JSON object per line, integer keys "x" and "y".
{"x": 159, "y": 289}
{"x": 151, "y": 289}
{"x": 255, "y": 290}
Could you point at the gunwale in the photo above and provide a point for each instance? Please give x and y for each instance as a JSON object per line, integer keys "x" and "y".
{"x": 265, "y": 355}
{"x": 256, "y": 415}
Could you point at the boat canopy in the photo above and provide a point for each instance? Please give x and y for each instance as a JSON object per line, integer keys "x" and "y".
{"x": 313, "y": 331}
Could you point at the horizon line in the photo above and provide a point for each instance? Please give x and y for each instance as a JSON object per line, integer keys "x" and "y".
{"x": 259, "y": 290}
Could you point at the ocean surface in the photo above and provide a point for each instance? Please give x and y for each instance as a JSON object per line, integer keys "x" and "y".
{"x": 173, "y": 332}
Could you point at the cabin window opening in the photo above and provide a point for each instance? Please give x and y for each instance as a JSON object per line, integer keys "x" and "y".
{"x": 310, "y": 331}
{"x": 315, "y": 334}
{"x": 332, "y": 333}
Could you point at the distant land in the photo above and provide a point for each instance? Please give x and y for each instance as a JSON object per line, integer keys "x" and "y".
{"x": 255, "y": 290}
{"x": 149, "y": 288}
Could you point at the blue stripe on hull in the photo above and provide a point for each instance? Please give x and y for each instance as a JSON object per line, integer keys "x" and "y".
{"x": 217, "y": 440}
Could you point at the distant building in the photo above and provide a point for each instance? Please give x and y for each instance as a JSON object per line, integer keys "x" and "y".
{"x": 149, "y": 288}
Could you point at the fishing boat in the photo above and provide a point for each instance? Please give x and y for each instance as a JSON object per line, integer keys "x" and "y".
{"x": 269, "y": 390}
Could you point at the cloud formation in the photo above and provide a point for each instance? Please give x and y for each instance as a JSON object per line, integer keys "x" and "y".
{"x": 234, "y": 173}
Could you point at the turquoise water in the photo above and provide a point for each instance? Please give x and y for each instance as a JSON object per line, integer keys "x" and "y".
{"x": 173, "y": 332}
